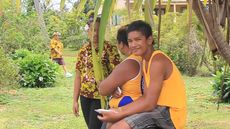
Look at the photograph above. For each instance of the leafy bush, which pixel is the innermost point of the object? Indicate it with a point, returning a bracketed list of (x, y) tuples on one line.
[(37, 71), (184, 51), (221, 85), (20, 54), (21, 31), (8, 70)]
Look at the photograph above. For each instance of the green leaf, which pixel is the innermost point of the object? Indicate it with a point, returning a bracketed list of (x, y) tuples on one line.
[(107, 6), (62, 4), (137, 5), (148, 12), (81, 6)]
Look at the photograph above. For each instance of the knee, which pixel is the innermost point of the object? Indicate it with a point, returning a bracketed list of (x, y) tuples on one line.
[(120, 125)]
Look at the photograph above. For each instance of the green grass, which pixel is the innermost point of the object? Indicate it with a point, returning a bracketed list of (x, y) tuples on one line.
[(51, 108)]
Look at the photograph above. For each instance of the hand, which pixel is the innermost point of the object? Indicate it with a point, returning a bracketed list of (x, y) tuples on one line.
[(60, 53), (110, 116), (76, 109), (117, 93)]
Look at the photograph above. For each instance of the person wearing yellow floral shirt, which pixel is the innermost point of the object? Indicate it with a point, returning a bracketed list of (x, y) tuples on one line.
[(56, 48), (85, 84)]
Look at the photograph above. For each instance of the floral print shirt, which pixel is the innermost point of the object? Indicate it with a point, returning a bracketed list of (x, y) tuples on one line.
[(55, 44), (110, 58)]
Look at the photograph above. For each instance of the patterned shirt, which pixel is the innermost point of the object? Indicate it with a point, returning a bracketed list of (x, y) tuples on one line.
[(55, 44), (110, 58)]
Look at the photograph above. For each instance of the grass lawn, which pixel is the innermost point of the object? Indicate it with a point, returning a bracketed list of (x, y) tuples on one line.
[(51, 108)]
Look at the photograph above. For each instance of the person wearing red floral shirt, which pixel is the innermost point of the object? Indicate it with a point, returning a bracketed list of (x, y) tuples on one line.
[(85, 84)]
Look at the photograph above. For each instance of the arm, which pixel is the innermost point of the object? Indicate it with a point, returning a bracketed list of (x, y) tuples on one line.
[(77, 85), (148, 101), (57, 51), (128, 69), (76, 93)]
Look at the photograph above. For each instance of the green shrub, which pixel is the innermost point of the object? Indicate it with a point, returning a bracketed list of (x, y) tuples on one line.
[(221, 85), (37, 71), (8, 70), (20, 54)]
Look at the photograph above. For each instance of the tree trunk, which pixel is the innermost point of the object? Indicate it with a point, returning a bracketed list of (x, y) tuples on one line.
[(41, 20), (212, 29)]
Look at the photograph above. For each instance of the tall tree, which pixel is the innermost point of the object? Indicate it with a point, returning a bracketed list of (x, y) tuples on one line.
[(213, 17), (41, 20)]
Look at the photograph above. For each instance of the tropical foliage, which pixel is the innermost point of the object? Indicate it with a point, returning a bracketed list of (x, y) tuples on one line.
[(9, 72), (221, 84), (35, 70)]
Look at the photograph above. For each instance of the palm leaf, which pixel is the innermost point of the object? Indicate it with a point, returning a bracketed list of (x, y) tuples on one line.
[(148, 12), (62, 4), (137, 5), (107, 6), (98, 5), (136, 10), (81, 6), (98, 71), (97, 65)]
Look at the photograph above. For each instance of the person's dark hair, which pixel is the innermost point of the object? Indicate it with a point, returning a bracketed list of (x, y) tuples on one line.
[(140, 26), (122, 35)]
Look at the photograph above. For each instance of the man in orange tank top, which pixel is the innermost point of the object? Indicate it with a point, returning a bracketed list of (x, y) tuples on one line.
[(163, 104)]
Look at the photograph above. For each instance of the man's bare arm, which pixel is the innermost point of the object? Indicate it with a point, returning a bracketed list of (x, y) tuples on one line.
[(120, 75)]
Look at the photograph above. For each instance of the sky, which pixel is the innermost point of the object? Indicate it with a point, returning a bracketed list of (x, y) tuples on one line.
[(68, 3)]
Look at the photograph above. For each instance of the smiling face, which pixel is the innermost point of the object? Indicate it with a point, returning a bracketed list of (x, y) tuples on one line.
[(139, 44)]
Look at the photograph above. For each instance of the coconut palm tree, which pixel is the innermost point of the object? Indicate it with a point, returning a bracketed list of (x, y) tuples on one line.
[(213, 18)]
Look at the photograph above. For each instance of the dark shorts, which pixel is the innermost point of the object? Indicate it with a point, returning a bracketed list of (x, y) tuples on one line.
[(157, 119), (60, 61)]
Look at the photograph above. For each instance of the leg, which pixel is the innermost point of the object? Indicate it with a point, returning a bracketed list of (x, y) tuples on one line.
[(62, 63), (64, 68), (120, 125), (159, 118), (67, 74), (94, 122), (85, 107)]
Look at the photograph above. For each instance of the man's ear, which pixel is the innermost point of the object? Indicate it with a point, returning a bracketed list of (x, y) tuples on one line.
[(150, 40)]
